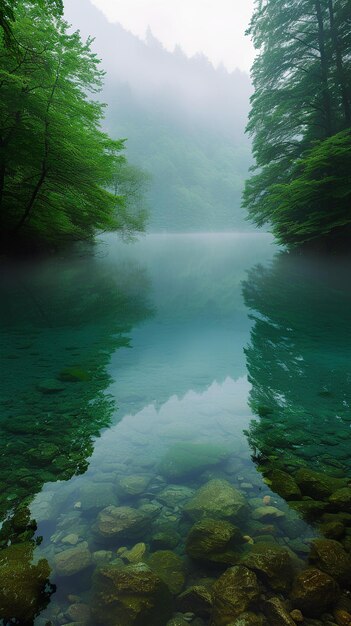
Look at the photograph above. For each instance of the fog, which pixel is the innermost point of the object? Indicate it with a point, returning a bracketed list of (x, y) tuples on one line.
[(184, 120)]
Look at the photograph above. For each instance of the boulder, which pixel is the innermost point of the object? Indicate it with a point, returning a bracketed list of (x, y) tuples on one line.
[(329, 556), (247, 619), (169, 567), (272, 564), (235, 592), (133, 485), (120, 522), (341, 499), (317, 485), (175, 495), (217, 499), (314, 592), (197, 600), (129, 596), (284, 485), (186, 459), (72, 560), (276, 613), (164, 539), (214, 540), (267, 513)]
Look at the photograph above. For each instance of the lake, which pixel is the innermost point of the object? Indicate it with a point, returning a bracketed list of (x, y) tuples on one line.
[(175, 435)]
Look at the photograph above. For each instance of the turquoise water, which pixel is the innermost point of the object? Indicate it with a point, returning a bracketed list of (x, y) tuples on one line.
[(132, 376)]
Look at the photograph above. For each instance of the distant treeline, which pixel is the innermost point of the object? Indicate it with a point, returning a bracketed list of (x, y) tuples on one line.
[(61, 177), (301, 119)]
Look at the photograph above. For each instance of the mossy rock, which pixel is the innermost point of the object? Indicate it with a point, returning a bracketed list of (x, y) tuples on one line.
[(309, 509), (277, 613), (133, 485), (186, 459), (272, 564), (217, 499), (248, 619), (197, 599), (235, 592), (129, 596), (314, 592), (169, 567), (72, 560), (341, 499), (213, 540), (284, 485), (24, 588), (121, 522), (330, 557), (317, 485)]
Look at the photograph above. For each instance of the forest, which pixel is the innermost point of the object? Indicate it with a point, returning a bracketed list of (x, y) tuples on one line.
[(300, 120)]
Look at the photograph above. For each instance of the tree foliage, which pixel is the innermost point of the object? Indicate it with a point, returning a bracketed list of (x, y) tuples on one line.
[(302, 99), (56, 165)]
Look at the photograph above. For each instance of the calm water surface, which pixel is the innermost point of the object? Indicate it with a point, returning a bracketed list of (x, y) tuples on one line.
[(134, 375)]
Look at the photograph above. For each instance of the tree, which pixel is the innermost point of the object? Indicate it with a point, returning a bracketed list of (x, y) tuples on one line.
[(130, 183), (302, 95), (56, 164)]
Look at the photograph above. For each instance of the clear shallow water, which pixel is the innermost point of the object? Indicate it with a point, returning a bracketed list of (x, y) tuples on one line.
[(112, 361)]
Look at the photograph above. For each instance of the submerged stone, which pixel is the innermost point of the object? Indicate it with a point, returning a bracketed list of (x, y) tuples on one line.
[(214, 540), (277, 613), (133, 485), (72, 560), (184, 459), (317, 485), (197, 600), (135, 554), (330, 557), (165, 539), (341, 499), (129, 596), (169, 567), (271, 563), (97, 496), (314, 592), (120, 522), (247, 619), (235, 592), (217, 499), (267, 513), (175, 495), (284, 485)]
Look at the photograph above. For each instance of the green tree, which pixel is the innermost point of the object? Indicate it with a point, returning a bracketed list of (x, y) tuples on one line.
[(56, 165), (302, 98)]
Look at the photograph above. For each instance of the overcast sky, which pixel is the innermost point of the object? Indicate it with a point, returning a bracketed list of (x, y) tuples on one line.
[(214, 27)]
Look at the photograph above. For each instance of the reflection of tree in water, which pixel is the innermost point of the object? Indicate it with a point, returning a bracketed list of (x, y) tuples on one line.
[(61, 322), (299, 360)]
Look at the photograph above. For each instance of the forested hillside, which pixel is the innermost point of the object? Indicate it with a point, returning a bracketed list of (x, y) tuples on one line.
[(301, 119), (184, 121)]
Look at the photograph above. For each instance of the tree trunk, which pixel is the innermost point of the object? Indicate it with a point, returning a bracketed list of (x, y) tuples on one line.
[(340, 74), (324, 71)]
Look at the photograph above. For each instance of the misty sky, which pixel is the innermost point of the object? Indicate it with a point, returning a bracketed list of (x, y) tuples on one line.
[(214, 27)]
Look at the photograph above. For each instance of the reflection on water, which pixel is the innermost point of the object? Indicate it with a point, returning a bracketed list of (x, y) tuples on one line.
[(129, 464)]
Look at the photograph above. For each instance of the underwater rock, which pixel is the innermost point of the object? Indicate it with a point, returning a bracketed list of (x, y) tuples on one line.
[(79, 613), (135, 554), (343, 618), (72, 560), (130, 595), (184, 459), (329, 556), (314, 592), (169, 567), (24, 588), (247, 619), (120, 522), (317, 485), (308, 508), (333, 530), (214, 540), (297, 616), (174, 495), (217, 499), (271, 563), (197, 600), (50, 386), (234, 592), (267, 513), (284, 485), (164, 539), (341, 499), (100, 557), (133, 485), (73, 375), (276, 613), (97, 496)]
